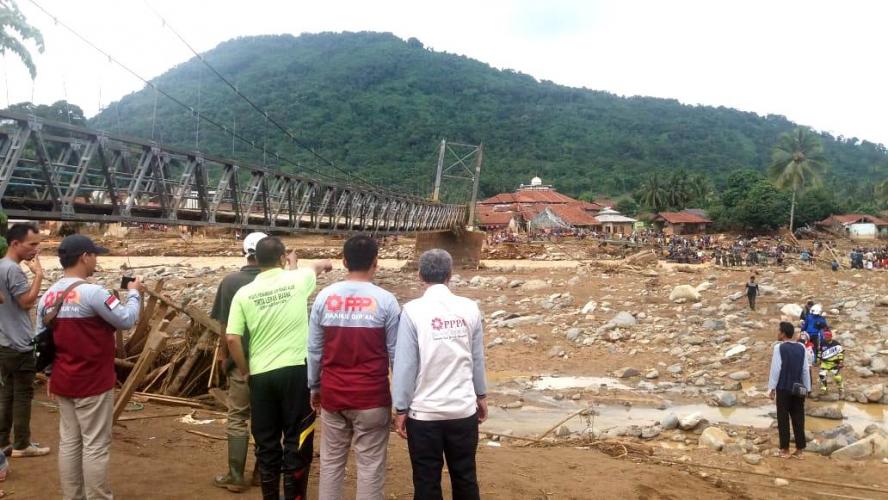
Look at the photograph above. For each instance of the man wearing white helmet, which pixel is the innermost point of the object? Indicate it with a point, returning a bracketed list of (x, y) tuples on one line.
[(238, 391), (814, 324)]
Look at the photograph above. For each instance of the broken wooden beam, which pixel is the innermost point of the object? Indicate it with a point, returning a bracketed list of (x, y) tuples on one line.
[(156, 340)]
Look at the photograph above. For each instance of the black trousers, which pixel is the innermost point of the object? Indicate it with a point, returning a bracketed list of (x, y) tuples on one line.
[(283, 427), (751, 301), (17, 371), (790, 408), (432, 441)]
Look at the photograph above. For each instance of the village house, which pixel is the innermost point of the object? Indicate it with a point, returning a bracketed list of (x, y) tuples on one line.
[(856, 226), (678, 223)]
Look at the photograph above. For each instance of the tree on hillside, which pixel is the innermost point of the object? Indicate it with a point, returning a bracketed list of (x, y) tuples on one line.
[(700, 188), (678, 191), (797, 163), (60, 111), (882, 193), (14, 30), (653, 194)]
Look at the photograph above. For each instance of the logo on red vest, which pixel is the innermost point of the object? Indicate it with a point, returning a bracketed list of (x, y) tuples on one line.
[(338, 303)]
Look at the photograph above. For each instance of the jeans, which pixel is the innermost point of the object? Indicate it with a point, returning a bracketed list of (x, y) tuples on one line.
[(430, 442), (85, 446), (368, 432), (790, 408), (283, 428), (17, 371)]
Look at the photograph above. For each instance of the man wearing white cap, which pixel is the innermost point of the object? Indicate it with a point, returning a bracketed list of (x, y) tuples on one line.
[(238, 391)]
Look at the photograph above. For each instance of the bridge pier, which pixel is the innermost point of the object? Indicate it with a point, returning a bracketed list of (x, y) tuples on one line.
[(464, 246)]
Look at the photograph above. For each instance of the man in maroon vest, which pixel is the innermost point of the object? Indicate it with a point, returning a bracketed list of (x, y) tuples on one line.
[(83, 376)]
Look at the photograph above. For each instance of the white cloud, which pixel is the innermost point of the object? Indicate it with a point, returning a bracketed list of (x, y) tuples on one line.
[(819, 63)]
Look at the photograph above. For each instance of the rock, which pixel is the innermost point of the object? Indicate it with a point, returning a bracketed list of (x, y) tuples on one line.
[(626, 373), (675, 369), (735, 350), (740, 375), (690, 422), (791, 310), (732, 386), (828, 412), (878, 365), (563, 431), (714, 438), (652, 374), (686, 292), (874, 445), (535, 285), (650, 432), (669, 422), (714, 324), (693, 340), (871, 429), (706, 285), (863, 372), (752, 458), (623, 320), (767, 289), (842, 430), (476, 280), (573, 334), (735, 296), (495, 342), (590, 307), (615, 336), (874, 393), (780, 482), (556, 352), (497, 314), (827, 446), (515, 283), (882, 301), (724, 399)]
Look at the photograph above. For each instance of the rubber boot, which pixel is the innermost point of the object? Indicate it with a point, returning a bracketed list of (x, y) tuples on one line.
[(271, 486), (237, 460), (296, 485)]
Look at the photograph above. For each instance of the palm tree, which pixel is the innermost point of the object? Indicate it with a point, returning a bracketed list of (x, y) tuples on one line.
[(797, 163), (700, 188), (12, 20), (653, 194), (677, 190)]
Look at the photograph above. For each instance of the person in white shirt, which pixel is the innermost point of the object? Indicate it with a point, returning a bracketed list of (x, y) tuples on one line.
[(438, 382)]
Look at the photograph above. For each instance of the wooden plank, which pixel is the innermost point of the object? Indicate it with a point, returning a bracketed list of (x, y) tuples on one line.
[(144, 324), (183, 372), (199, 317), (156, 340), (137, 343)]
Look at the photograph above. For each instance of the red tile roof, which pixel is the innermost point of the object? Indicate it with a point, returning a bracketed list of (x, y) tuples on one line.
[(529, 196), (575, 215), (851, 219), (682, 218)]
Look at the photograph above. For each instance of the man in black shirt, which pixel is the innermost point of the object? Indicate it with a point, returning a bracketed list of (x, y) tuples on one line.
[(752, 290), (238, 391)]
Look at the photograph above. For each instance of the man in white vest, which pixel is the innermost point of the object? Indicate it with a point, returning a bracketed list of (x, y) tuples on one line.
[(438, 382)]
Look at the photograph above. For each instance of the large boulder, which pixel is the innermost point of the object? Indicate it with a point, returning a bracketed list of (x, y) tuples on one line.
[(724, 399), (690, 422), (872, 446), (626, 373), (714, 438), (686, 292), (874, 393), (739, 375), (827, 412), (878, 365), (735, 350), (669, 422), (535, 285), (622, 320), (791, 310)]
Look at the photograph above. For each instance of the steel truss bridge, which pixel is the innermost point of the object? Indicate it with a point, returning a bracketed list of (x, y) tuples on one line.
[(55, 171)]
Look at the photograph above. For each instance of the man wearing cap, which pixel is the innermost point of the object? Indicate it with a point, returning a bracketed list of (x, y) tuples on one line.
[(238, 390), (83, 376), (17, 367)]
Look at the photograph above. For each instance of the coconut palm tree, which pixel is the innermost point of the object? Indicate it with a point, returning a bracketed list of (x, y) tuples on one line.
[(797, 163), (14, 29), (677, 190), (700, 188), (653, 193)]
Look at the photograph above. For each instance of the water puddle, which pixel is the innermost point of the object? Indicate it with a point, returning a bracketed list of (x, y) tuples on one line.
[(533, 420), (562, 383)]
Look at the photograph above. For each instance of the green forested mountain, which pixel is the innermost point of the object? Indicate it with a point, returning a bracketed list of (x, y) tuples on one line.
[(378, 106)]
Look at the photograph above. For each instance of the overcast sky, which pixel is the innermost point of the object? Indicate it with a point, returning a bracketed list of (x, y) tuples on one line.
[(822, 64)]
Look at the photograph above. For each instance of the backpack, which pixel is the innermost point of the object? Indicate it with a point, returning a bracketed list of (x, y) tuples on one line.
[(44, 343)]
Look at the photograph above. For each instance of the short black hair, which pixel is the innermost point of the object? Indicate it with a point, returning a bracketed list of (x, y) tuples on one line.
[(269, 251), (69, 261), (752, 278), (787, 329), (360, 251), (19, 232), (810, 303)]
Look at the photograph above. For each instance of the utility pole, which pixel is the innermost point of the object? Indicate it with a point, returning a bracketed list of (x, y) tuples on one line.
[(437, 192), (477, 178)]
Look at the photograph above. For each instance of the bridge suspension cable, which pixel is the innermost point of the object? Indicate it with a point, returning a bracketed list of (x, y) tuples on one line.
[(257, 108), (172, 98)]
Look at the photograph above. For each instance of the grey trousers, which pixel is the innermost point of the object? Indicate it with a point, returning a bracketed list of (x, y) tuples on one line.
[(368, 432), (85, 446), (238, 405)]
